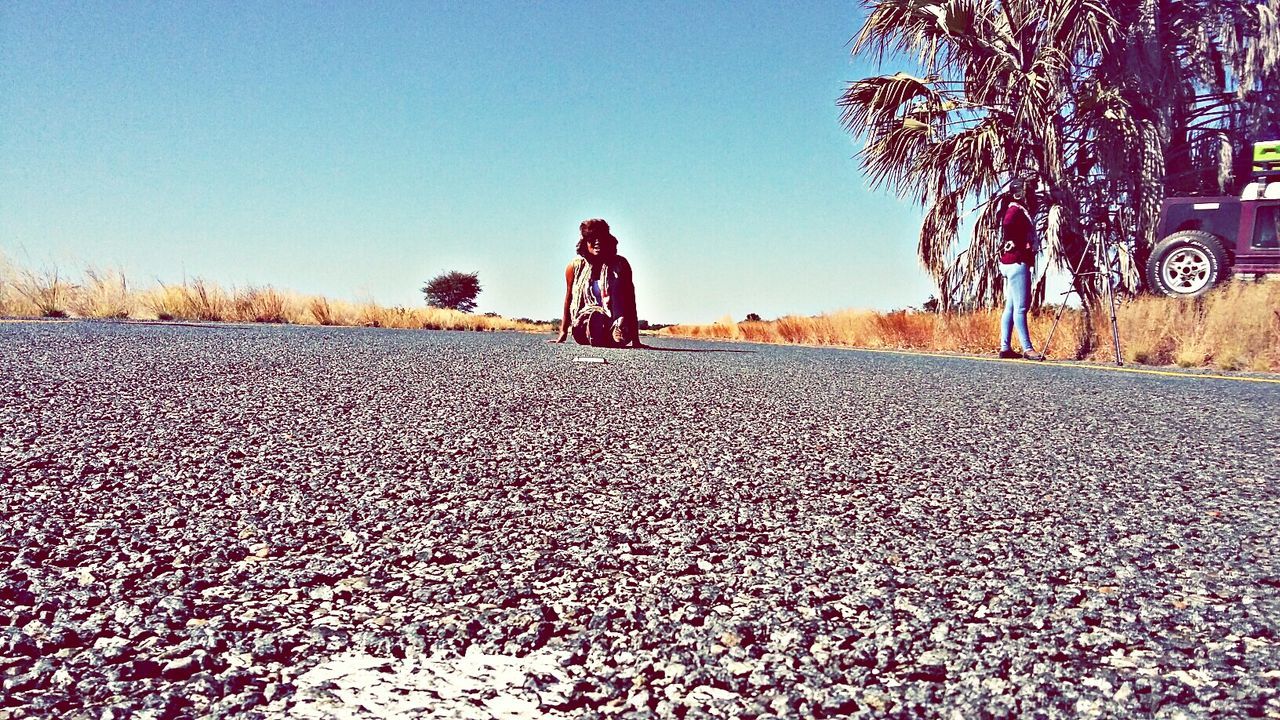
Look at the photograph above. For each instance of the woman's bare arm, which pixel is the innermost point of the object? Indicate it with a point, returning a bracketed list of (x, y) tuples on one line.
[(629, 302), (568, 298)]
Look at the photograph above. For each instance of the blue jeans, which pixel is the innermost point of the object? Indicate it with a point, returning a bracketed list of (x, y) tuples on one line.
[(1017, 296)]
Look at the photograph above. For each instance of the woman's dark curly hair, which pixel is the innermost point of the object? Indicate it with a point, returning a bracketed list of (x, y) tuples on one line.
[(596, 229), (1021, 188)]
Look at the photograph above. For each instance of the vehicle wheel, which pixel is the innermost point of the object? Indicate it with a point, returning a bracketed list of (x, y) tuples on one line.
[(1186, 264)]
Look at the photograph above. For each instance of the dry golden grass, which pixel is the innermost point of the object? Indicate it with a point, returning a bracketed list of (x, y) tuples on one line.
[(208, 302), (322, 312), (166, 302), (103, 294), (108, 295), (13, 302), (40, 294), (431, 318), (1234, 327), (268, 305), (195, 301)]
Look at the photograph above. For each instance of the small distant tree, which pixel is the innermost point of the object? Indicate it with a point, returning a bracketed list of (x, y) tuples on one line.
[(752, 317), (455, 290)]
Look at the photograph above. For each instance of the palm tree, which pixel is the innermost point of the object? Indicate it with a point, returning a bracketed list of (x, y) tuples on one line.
[(988, 106), (1096, 101), (1197, 83)]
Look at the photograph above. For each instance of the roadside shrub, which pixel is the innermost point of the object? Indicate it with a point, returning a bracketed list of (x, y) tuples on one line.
[(103, 294), (261, 305), (170, 302), (13, 303), (208, 301), (46, 290), (321, 311)]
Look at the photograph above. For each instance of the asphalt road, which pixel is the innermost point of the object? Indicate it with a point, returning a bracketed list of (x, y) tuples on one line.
[(197, 521)]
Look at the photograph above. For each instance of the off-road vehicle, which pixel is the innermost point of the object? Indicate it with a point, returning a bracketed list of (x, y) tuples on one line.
[(1205, 239)]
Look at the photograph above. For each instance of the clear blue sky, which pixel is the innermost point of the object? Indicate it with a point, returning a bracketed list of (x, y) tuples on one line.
[(356, 150)]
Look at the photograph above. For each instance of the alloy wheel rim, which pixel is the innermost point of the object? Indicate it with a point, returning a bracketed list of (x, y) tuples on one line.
[(1187, 270)]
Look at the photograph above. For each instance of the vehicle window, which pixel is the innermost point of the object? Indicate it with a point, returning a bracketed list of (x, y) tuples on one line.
[(1266, 232), (1213, 215)]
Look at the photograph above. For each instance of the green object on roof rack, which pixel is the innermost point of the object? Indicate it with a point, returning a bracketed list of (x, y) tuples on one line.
[(1266, 156)]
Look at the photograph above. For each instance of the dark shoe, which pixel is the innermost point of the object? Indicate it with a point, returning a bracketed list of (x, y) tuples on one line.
[(1009, 355), (1032, 355)]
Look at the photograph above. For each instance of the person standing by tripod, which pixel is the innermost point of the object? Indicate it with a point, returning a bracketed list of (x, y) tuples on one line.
[(1018, 248)]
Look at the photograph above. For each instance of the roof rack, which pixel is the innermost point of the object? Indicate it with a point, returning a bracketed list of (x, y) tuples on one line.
[(1261, 190)]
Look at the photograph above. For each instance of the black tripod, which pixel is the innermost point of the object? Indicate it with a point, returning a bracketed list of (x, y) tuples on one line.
[(1108, 289)]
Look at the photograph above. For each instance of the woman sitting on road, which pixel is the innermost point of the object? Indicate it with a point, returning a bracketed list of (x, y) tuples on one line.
[(1017, 257), (599, 295)]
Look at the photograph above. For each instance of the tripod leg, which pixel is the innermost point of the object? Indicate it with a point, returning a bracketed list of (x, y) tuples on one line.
[(1062, 308), (1111, 300)]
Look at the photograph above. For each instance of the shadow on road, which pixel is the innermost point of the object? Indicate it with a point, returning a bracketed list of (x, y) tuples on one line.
[(695, 350)]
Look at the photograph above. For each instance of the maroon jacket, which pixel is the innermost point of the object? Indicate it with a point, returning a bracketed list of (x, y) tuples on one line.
[(1016, 246)]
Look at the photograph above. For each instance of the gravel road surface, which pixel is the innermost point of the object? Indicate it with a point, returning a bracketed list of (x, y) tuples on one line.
[(310, 522)]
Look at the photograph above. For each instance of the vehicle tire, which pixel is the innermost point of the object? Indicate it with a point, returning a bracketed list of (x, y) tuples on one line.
[(1186, 264)]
